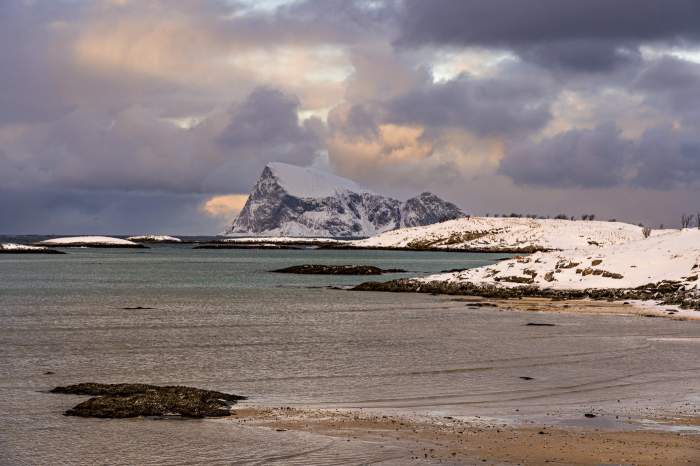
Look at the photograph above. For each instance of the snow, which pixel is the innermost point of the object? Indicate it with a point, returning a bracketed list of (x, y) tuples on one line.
[(87, 240), (311, 182), (20, 247), (666, 255), (491, 233), (155, 238)]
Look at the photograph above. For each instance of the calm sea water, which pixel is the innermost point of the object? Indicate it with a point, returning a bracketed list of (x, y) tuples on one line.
[(220, 320)]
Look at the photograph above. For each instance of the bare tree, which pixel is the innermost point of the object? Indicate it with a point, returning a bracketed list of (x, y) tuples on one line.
[(685, 220), (646, 231)]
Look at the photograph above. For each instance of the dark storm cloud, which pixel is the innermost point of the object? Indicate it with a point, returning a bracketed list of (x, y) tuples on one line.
[(590, 35), (267, 116), (667, 159), (30, 86), (661, 159), (66, 211), (506, 104), (588, 158), (673, 85)]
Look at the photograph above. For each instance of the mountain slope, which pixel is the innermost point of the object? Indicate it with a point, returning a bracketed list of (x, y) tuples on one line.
[(294, 201)]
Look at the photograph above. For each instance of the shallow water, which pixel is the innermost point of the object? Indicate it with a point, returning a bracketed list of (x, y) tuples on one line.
[(221, 321)]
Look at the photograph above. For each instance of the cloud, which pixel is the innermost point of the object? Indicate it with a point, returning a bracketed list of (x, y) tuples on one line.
[(576, 158), (508, 104), (226, 206), (662, 158), (595, 35)]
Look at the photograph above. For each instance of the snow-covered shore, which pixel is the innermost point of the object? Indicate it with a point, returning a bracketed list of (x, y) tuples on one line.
[(663, 268), (504, 235), (90, 242), (667, 256), (14, 248), (154, 239)]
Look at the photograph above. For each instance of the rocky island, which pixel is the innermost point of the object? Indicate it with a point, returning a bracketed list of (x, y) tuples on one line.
[(318, 269), (132, 400)]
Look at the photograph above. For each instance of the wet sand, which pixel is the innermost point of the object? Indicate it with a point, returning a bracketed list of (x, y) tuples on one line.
[(585, 306), (451, 440)]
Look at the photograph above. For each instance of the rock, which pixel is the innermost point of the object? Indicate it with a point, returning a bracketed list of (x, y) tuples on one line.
[(132, 400), (613, 275), (597, 262), (515, 279), (319, 269), (525, 377), (537, 324), (549, 276), (590, 415)]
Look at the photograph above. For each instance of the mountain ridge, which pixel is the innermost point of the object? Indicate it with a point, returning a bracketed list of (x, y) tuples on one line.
[(288, 200)]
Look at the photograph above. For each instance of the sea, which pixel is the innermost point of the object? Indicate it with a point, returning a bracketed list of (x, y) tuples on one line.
[(221, 320)]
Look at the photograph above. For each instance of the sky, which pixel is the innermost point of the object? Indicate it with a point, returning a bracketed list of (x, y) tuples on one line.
[(157, 116)]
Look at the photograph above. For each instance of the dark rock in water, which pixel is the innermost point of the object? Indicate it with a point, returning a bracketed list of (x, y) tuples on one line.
[(318, 269), (537, 324), (525, 377), (453, 270), (133, 400), (590, 415), (30, 251), (49, 373), (137, 308)]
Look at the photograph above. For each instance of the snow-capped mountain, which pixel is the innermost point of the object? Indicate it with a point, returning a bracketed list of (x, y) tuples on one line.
[(302, 201)]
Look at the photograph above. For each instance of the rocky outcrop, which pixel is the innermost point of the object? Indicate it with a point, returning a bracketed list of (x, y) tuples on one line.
[(665, 292), (317, 269), (132, 400), (296, 201), (427, 209)]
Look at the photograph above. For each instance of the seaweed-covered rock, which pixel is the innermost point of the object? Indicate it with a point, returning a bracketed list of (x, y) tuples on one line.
[(318, 269), (132, 400), (666, 292)]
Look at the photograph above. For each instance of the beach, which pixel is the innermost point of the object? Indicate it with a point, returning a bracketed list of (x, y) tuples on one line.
[(219, 320)]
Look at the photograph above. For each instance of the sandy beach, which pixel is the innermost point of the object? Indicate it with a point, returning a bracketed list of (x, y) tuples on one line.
[(454, 440), (584, 306)]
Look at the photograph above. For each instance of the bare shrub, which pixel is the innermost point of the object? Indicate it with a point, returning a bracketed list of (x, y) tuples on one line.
[(646, 231)]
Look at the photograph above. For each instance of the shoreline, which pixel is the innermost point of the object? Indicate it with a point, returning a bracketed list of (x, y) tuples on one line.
[(461, 440), (665, 293)]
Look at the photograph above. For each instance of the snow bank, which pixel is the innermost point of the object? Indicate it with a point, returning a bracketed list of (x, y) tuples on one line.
[(311, 182), (90, 241), (155, 239), (14, 247), (665, 256), (503, 234)]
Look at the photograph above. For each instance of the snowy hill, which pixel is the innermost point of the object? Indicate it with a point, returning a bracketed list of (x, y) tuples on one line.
[(666, 256), (306, 202), (506, 234)]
